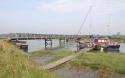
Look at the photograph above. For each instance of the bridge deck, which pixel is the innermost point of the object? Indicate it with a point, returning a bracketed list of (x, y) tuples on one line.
[(36, 36)]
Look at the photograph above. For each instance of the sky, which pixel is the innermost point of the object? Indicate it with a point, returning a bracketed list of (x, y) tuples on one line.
[(62, 16)]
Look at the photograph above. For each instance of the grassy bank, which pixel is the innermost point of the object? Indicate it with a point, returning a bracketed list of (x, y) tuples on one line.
[(40, 53), (59, 54), (100, 61), (55, 54), (16, 64)]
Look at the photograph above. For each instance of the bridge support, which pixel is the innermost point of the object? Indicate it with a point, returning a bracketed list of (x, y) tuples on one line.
[(61, 43), (67, 40), (78, 45), (48, 42)]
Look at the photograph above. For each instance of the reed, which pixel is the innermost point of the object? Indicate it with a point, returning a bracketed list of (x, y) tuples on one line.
[(16, 64)]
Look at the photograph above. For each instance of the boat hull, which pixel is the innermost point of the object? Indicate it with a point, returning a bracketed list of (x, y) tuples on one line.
[(113, 48), (107, 48), (96, 47)]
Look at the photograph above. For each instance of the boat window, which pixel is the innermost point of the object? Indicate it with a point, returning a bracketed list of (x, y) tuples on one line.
[(103, 40), (99, 40), (95, 40)]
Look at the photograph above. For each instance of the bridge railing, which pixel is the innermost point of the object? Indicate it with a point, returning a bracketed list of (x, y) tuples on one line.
[(37, 36)]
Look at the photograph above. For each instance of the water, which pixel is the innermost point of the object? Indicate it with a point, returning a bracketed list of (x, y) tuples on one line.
[(122, 47), (84, 73), (36, 45), (71, 46), (42, 60), (72, 73)]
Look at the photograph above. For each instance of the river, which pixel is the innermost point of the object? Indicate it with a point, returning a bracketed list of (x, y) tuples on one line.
[(36, 45)]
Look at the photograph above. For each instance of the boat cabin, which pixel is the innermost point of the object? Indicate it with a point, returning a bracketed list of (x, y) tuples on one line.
[(101, 41)]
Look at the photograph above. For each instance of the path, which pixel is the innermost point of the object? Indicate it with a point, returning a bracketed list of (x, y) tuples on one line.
[(63, 60)]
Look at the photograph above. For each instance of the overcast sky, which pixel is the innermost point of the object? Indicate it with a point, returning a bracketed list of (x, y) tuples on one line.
[(62, 16)]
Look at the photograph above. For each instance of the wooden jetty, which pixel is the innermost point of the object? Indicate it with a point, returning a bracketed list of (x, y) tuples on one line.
[(63, 60)]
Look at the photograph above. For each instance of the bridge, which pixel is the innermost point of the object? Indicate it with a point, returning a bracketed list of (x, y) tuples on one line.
[(48, 38), (28, 36)]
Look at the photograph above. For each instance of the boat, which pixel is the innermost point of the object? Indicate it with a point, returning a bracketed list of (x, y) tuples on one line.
[(84, 43), (105, 44)]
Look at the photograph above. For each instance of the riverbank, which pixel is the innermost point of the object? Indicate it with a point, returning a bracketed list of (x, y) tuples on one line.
[(15, 63), (103, 63), (113, 62), (47, 56)]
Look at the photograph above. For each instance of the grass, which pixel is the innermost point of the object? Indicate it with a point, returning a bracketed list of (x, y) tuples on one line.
[(58, 54), (61, 53), (16, 64), (40, 53), (100, 61)]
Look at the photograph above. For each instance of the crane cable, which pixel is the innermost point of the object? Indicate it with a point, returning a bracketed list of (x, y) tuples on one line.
[(84, 20)]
